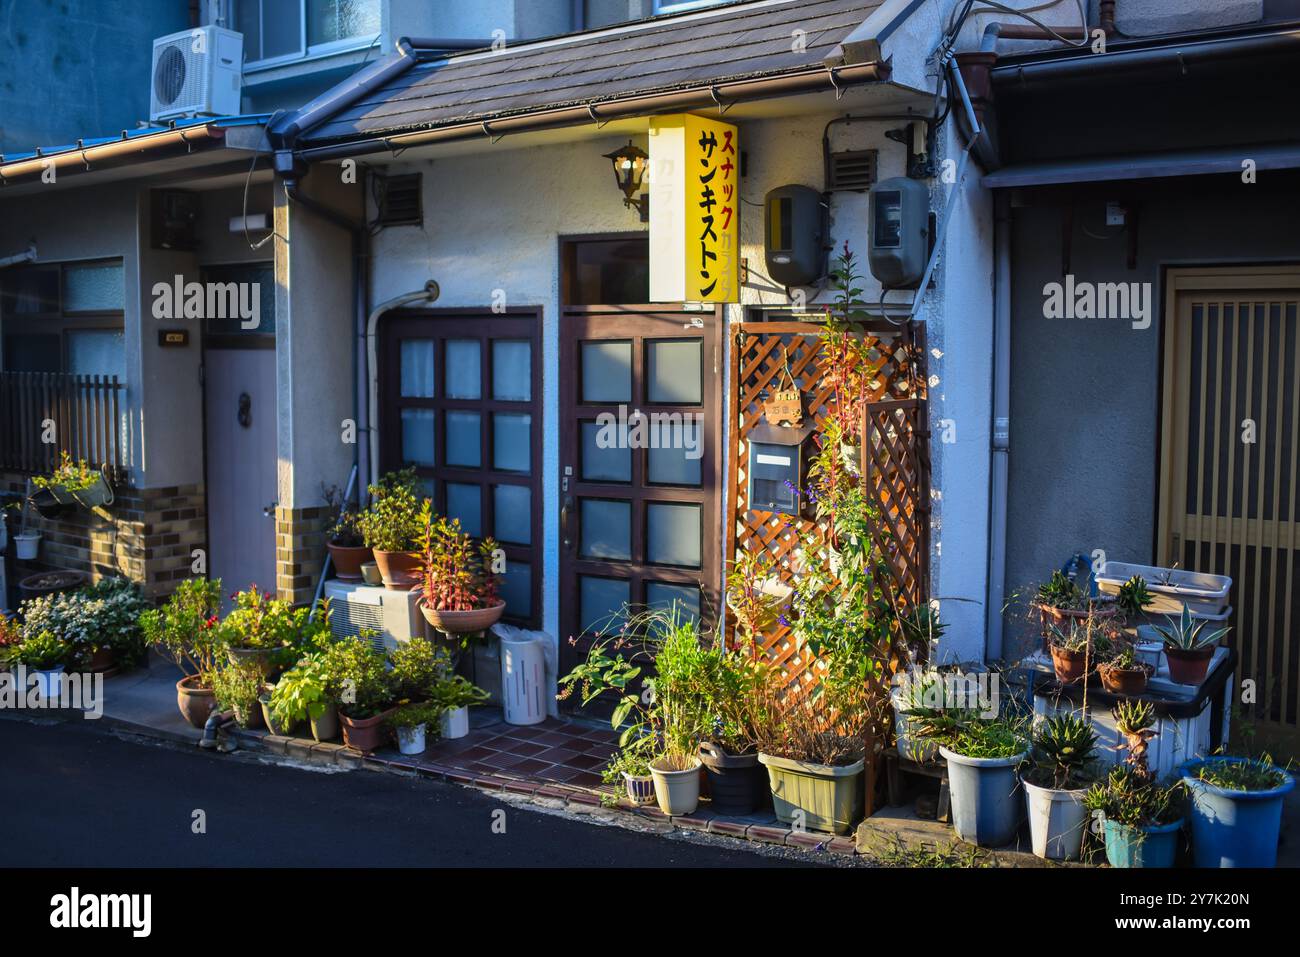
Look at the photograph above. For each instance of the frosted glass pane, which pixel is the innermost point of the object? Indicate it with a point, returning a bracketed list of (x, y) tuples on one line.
[(99, 287), (464, 441), (673, 371), (679, 464), (512, 370), (517, 589), (512, 441), (417, 368), (673, 534), (462, 369), (465, 502), (331, 20), (601, 603), (513, 521), (98, 352), (417, 436), (606, 529), (682, 599), (605, 464), (606, 372)]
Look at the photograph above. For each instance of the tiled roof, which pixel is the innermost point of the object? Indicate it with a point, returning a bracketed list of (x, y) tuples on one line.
[(735, 41)]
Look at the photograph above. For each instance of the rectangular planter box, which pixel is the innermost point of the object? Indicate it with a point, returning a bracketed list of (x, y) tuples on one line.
[(1171, 588), (818, 796)]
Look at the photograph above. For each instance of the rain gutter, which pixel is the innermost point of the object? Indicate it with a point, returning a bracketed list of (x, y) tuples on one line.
[(117, 153)]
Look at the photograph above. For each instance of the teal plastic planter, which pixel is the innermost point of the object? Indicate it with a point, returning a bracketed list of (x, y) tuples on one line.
[(1233, 828), (1141, 846)]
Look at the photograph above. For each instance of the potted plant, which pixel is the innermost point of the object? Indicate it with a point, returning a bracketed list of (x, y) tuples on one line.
[(185, 627), (914, 692), (1189, 647), (357, 680), (1140, 818), (45, 655), (630, 767), (453, 697), (27, 545), (74, 482), (393, 528), (983, 754), (344, 541), (459, 584), (301, 694), (100, 621), (1122, 672), (410, 722), (1059, 600), (1236, 809), (1064, 755), (50, 583), (1071, 650), (262, 630), (236, 686), (1133, 596)]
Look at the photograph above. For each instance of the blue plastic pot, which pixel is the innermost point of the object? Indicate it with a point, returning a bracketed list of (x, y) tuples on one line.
[(1153, 846), (986, 809), (1233, 828)]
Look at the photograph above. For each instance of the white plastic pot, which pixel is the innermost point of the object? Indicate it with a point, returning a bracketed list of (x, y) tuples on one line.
[(28, 545), (1058, 822), (678, 792), (411, 740), (49, 685), (455, 723), (922, 750)]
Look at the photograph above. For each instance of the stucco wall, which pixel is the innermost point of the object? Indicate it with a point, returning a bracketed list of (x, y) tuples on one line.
[(1085, 405)]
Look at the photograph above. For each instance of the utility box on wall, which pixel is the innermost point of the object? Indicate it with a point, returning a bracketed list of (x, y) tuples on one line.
[(776, 467), (794, 229), (900, 232)]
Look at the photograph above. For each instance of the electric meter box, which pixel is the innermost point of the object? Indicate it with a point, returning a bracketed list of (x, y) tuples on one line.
[(900, 232), (794, 230)]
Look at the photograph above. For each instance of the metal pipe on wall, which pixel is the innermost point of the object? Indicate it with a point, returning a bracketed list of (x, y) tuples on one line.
[(1000, 445)]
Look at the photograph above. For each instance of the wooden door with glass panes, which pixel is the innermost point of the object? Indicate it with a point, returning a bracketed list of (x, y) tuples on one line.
[(639, 524), (460, 398)]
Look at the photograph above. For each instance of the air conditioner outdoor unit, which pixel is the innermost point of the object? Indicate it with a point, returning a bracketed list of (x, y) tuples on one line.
[(393, 614), (196, 72)]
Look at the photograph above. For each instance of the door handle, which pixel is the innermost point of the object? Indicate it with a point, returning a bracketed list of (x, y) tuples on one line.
[(245, 409), (564, 523)]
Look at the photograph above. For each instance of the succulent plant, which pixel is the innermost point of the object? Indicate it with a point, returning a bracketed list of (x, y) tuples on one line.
[(1064, 748), (1187, 634), (1133, 596), (1060, 591), (1135, 720)]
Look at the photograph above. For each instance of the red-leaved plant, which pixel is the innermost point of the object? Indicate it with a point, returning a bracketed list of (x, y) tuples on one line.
[(459, 573)]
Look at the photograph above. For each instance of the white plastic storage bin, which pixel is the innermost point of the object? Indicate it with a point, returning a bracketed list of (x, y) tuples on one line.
[(523, 680), (1171, 588)]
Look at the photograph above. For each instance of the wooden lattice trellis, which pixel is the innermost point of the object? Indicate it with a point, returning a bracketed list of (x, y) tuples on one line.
[(895, 459)]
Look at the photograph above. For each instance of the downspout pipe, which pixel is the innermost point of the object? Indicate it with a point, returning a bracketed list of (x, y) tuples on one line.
[(1000, 447), (428, 295)]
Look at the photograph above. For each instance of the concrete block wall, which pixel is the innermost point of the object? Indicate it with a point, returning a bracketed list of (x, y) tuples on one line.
[(299, 551)]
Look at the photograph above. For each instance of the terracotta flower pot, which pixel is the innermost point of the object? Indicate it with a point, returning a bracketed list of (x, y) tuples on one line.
[(196, 704), (1125, 681), (1061, 618), (463, 622), (348, 561), (1188, 667), (399, 570), (1070, 665), (365, 734)]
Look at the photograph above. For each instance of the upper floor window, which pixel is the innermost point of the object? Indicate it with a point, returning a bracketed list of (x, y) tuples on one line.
[(64, 318), (677, 6), (282, 30)]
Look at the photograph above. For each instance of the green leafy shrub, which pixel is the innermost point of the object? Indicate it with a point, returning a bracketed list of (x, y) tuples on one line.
[(185, 627), (42, 652), (393, 521), (357, 678), (236, 686)]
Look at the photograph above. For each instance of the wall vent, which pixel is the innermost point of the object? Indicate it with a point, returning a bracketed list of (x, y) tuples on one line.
[(398, 200), (851, 170)]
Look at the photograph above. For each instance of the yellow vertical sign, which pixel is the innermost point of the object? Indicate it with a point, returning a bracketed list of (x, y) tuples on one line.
[(694, 210)]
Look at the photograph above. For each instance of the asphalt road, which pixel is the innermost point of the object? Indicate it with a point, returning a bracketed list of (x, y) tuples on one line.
[(74, 795)]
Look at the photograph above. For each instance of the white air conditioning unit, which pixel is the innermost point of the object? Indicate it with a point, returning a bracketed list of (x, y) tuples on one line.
[(195, 73), (393, 614)]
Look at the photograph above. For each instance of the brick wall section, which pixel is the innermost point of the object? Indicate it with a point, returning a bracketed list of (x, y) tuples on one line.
[(299, 551), (149, 536)]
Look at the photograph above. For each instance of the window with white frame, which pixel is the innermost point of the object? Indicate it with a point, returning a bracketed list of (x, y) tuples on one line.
[(282, 30)]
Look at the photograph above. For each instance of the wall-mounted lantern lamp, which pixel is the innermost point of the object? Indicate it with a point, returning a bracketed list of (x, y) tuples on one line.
[(630, 166)]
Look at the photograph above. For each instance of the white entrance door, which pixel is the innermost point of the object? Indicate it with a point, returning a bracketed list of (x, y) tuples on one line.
[(241, 467)]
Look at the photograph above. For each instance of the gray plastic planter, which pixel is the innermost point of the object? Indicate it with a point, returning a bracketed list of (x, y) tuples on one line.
[(1057, 822), (986, 809)]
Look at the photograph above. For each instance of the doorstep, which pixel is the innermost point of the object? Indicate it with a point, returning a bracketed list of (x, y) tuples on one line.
[(892, 827)]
